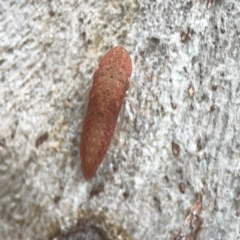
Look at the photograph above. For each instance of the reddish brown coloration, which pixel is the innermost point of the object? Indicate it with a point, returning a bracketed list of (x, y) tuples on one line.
[(110, 83), (192, 222)]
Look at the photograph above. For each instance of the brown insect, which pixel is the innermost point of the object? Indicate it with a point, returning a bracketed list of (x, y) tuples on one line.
[(110, 83)]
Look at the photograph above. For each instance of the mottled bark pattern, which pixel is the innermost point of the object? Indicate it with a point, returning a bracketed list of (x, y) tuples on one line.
[(110, 83)]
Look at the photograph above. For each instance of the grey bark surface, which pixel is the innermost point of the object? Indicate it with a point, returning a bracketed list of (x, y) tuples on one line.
[(186, 77)]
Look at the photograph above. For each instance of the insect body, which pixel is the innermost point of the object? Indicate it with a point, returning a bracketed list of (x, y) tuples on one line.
[(110, 83)]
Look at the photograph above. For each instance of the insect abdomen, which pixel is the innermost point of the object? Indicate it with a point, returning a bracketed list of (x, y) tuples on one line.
[(96, 137)]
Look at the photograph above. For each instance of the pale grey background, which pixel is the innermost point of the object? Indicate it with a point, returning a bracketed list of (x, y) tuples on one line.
[(49, 51)]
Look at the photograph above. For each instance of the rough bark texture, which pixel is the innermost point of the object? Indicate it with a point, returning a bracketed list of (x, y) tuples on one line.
[(186, 75)]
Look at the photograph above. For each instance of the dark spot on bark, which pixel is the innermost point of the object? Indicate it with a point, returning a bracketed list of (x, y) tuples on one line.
[(41, 139), (175, 148), (51, 13), (56, 199), (212, 108), (141, 53), (222, 74), (186, 36), (155, 40), (199, 145), (96, 189), (85, 229), (174, 105), (214, 87), (126, 194), (182, 187)]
